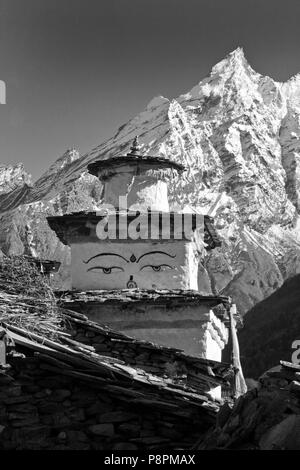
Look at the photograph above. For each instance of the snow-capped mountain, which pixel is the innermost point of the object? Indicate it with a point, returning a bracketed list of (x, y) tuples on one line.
[(13, 177), (237, 132)]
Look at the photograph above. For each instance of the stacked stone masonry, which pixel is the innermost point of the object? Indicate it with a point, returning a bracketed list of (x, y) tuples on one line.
[(44, 410), (63, 394), (265, 418)]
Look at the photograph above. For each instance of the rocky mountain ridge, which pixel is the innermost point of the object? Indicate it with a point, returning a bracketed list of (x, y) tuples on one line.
[(13, 177), (237, 132)]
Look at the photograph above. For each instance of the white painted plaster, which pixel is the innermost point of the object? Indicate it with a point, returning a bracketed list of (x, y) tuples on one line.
[(192, 328), (144, 190), (156, 270)]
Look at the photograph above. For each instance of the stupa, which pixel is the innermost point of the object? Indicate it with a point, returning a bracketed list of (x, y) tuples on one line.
[(135, 264)]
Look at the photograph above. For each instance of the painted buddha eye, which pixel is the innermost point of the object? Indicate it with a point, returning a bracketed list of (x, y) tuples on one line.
[(156, 268), (106, 269)]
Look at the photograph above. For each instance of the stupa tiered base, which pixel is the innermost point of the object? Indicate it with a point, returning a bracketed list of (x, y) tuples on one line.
[(186, 320)]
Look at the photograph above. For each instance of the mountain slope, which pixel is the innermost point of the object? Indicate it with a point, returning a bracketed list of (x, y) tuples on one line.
[(15, 186), (237, 133), (270, 328)]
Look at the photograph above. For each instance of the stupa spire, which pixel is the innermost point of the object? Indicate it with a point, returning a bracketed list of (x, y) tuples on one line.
[(135, 147)]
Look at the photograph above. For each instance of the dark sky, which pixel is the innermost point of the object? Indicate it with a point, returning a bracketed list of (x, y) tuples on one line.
[(75, 70)]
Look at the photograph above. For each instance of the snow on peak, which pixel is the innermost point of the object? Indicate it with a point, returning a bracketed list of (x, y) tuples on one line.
[(235, 61), (158, 101), (231, 76), (291, 90), (70, 155), (12, 177)]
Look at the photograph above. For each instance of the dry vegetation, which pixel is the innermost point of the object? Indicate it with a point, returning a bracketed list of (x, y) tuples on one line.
[(26, 298)]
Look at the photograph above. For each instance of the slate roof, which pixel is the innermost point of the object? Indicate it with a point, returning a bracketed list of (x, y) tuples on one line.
[(75, 359), (46, 265), (137, 160), (143, 296), (80, 223)]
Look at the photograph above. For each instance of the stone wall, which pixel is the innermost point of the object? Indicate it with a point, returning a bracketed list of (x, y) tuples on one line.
[(265, 418), (154, 359), (42, 409)]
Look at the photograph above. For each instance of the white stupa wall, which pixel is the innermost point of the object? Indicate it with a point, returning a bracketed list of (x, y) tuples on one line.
[(143, 190), (193, 328), (145, 265)]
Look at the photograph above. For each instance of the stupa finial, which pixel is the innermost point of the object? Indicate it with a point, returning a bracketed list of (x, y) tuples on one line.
[(135, 148)]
